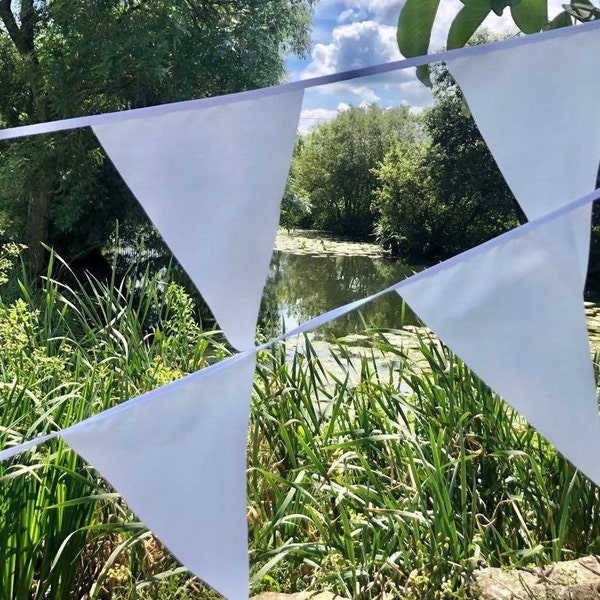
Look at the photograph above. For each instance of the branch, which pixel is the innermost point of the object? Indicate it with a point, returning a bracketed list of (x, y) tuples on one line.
[(10, 23), (28, 18)]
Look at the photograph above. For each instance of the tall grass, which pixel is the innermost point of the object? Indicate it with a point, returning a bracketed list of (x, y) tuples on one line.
[(70, 351), (406, 483), (372, 482)]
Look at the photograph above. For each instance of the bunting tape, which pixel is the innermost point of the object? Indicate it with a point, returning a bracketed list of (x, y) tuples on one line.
[(316, 322), (380, 69)]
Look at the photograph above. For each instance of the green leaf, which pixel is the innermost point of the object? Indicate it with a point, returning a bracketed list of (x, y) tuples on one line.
[(562, 19), (414, 26), (466, 22), (498, 6), (477, 3), (424, 75), (465, 110), (582, 10), (530, 16)]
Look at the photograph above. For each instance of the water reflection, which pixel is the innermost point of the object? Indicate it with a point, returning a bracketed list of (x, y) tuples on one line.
[(300, 287)]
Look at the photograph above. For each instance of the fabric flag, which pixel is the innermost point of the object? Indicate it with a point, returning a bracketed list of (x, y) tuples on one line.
[(536, 107), (513, 311), (211, 180), (179, 461)]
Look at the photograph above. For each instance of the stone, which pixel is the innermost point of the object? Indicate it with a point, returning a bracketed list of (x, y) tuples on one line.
[(298, 596), (568, 580)]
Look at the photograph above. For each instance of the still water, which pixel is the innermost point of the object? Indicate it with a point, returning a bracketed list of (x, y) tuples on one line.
[(303, 286)]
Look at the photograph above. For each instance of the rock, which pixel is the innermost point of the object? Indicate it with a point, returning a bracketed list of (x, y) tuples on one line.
[(298, 596), (569, 580)]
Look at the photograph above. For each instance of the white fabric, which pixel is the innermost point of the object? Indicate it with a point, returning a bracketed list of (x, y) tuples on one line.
[(179, 461), (211, 181), (536, 106), (513, 311)]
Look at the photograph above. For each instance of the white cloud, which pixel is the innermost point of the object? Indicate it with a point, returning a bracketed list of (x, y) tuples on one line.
[(382, 11), (353, 46), (313, 117), (346, 16), (361, 44)]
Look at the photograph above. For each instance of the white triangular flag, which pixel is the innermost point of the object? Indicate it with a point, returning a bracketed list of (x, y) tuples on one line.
[(536, 107), (512, 309), (178, 458), (211, 180)]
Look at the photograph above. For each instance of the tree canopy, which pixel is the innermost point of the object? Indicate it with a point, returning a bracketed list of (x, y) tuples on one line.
[(336, 162), (446, 195), (64, 58)]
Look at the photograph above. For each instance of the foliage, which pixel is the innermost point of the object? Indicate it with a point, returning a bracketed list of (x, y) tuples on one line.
[(436, 199), (530, 16), (335, 165), (404, 483), (374, 481), (70, 352), (64, 58), (408, 212), (295, 205)]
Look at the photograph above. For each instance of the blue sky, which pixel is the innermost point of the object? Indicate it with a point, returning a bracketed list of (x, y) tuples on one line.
[(348, 34)]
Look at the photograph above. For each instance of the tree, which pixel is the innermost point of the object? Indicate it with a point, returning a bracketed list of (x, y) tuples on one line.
[(335, 166), (63, 58), (437, 199), (295, 204), (530, 16), (405, 203)]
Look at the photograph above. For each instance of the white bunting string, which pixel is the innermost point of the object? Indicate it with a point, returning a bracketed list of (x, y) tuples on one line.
[(327, 317), (380, 69)]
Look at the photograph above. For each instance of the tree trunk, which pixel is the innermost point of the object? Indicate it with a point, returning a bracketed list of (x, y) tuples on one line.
[(22, 34), (36, 228)]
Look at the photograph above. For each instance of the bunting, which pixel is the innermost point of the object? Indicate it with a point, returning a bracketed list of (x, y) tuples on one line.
[(211, 173), (513, 311), (178, 458), (536, 108), (211, 180)]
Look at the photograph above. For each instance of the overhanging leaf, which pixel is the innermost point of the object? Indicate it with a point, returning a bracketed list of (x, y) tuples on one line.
[(424, 75), (530, 16), (498, 6), (582, 10), (414, 26), (562, 19), (465, 24)]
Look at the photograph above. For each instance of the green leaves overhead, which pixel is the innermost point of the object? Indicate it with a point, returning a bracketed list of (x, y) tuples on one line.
[(498, 6), (466, 22), (414, 31), (562, 19), (414, 26), (582, 10), (530, 16)]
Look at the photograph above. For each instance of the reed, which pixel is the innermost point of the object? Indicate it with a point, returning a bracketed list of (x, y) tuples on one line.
[(370, 482)]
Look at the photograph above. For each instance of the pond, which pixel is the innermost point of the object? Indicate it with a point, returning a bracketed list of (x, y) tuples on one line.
[(303, 285)]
